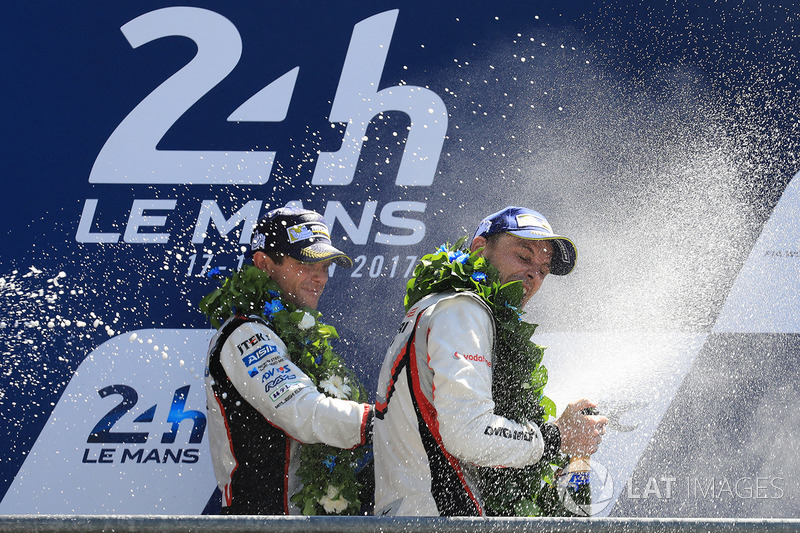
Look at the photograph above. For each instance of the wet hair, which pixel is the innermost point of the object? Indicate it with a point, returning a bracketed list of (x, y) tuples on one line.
[(492, 239), (277, 257)]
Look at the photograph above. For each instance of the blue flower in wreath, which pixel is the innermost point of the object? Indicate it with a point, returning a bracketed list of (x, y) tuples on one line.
[(478, 276), (270, 308), (460, 257), (274, 294), (213, 273), (329, 462)]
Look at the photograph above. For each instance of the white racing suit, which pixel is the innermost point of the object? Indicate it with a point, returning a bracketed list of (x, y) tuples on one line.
[(434, 414), (261, 407)]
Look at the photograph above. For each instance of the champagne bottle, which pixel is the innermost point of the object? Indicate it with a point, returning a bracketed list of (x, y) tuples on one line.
[(578, 482)]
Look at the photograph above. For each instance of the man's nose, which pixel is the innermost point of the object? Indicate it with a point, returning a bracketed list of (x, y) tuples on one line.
[(534, 270), (320, 273)]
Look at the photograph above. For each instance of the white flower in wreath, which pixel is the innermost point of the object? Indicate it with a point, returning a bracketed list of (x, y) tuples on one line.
[(335, 386), (333, 502), (307, 321)]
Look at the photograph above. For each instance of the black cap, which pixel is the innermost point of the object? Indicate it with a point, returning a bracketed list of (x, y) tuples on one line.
[(531, 225), (299, 233)]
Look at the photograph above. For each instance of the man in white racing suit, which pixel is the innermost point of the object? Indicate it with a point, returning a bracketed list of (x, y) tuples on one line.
[(261, 406), (434, 409)]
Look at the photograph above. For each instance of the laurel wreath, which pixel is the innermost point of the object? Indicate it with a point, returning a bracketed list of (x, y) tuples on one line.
[(516, 368), (328, 474)]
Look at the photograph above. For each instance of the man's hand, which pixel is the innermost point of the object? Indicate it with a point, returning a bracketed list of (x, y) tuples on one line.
[(580, 434)]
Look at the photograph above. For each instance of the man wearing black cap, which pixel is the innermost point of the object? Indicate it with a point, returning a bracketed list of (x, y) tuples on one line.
[(262, 401), (435, 410)]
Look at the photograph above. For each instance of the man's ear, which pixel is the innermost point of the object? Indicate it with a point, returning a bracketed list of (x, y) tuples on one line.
[(477, 242), (263, 262)]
